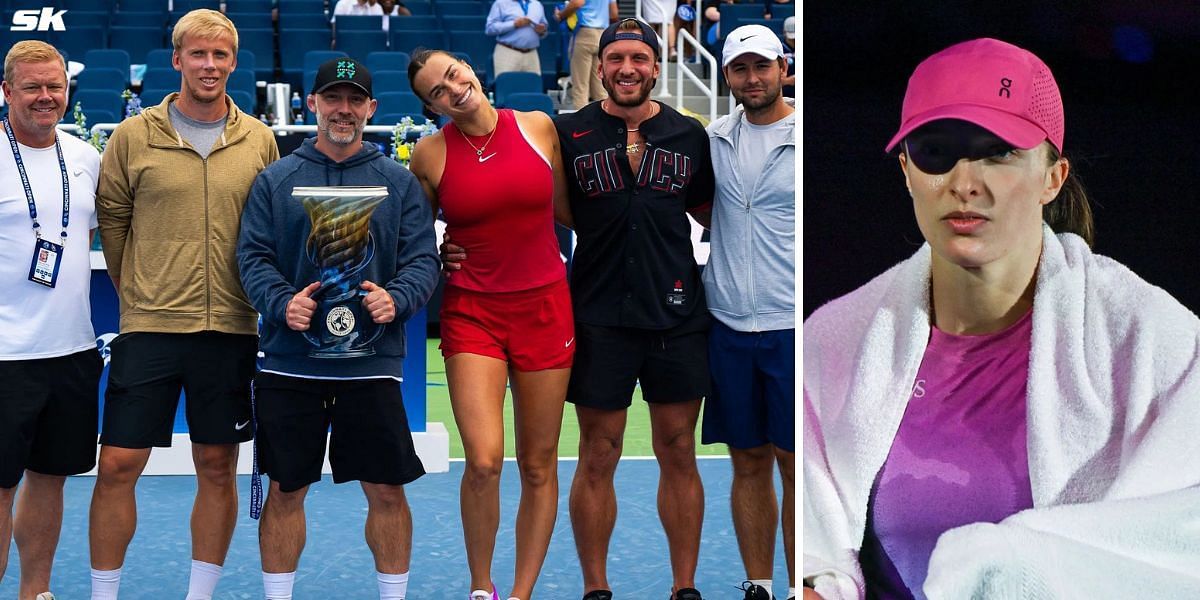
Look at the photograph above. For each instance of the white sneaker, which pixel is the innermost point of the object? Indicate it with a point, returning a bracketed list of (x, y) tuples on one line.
[(44, 596)]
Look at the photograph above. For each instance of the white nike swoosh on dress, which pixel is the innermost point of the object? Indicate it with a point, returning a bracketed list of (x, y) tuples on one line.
[(484, 158), (241, 426), (569, 342)]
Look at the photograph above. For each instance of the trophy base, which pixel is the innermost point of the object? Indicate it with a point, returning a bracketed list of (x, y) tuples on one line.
[(339, 353)]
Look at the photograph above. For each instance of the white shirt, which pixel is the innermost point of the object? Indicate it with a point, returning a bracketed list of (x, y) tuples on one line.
[(37, 321), (658, 11), (352, 7), (753, 142)]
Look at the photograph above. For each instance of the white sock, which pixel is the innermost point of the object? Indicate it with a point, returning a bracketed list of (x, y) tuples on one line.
[(392, 586), (764, 584), (278, 586), (105, 584), (791, 592), (481, 595), (203, 580)]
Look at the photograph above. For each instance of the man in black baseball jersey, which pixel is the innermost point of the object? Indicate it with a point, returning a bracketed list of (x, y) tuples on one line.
[(634, 169)]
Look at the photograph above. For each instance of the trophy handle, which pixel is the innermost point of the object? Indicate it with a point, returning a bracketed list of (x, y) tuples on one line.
[(379, 327)]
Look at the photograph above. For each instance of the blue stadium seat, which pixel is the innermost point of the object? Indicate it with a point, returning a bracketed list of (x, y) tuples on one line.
[(732, 15), (247, 60), (292, 48), (99, 106), (101, 78), (142, 5), (76, 41), (398, 102), (407, 41), (290, 21), (313, 59), (471, 23), (359, 23), (190, 5), (513, 83), (243, 100), (419, 7), (549, 53), (478, 48), (525, 101), (361, 43), (452, 7), (154, 96), (159, 77), (137, 41), (414, 23), (242, 81), (100, 58), (139, 19), (260, 43), (387, 61), (298, 7), (106, 6), (159, 58), (383, 81), (251, 20), (75, 19), (248, 6)]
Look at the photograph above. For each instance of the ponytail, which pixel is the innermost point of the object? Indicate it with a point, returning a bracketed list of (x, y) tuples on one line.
[(1070, 212)]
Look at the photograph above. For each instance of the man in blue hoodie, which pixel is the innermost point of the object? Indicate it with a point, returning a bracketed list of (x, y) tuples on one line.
[(299, 396), (750, 283)]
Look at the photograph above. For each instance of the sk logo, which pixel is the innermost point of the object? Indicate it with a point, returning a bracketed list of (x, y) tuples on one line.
[(345, 69)]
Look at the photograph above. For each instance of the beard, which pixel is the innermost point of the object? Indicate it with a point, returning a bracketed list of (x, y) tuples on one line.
[(769, 96), (337, 138), (637, 100)]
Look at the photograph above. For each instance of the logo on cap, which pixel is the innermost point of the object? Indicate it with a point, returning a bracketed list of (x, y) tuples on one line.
[(345, 69)]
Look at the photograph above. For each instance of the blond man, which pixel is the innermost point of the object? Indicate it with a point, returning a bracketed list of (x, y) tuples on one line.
[(173, 181)]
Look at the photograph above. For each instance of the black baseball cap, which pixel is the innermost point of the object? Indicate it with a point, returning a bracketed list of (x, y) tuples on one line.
[(644, 34), (342, 70)]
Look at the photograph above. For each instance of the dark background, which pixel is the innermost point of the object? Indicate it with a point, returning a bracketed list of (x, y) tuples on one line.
[(1129, 73)]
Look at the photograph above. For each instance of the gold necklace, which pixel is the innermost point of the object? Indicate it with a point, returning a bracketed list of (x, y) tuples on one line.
[(479, 150)]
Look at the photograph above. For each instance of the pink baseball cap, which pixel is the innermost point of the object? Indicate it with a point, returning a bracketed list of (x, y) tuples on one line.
[(993, 84)]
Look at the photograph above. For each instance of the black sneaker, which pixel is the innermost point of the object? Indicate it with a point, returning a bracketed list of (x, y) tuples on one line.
[(598, 595), (755, 592), (687, 594)]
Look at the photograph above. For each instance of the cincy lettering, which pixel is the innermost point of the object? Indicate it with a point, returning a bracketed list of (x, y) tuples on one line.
[(661, 170)]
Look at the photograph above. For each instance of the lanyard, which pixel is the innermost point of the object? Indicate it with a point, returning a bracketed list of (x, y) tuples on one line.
[(66, 192), (524, 6)]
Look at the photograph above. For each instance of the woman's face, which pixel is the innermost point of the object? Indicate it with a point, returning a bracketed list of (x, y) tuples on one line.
[(978, 201)]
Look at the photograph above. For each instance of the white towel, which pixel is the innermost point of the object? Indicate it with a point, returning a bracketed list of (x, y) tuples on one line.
[(1114, 436)]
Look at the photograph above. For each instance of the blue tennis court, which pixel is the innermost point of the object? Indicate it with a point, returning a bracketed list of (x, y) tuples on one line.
[(337, 564)]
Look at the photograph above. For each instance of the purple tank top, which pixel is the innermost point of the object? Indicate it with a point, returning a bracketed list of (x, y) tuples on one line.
[(959, 456)]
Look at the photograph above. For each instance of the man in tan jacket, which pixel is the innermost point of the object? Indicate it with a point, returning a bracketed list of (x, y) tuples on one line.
[(173, 181)]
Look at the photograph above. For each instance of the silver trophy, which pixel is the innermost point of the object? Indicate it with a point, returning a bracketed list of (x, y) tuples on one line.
[(341, 245)]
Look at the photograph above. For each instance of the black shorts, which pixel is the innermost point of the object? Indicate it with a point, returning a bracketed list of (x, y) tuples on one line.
[(147, 371), (370, 440), (671, 365), (48, 415)]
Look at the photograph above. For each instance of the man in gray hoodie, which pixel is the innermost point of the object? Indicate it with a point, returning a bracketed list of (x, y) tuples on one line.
[(750, 283)]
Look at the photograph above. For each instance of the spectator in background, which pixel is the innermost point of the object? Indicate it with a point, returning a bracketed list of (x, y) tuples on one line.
[(593, 19), (767, 4), (518, 26), (658, 12), (789, 52), (711, 27), (356, 7), (393, 8)]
